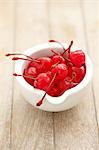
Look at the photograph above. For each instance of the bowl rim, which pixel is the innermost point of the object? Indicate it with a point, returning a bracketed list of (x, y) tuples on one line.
[(62, 98)]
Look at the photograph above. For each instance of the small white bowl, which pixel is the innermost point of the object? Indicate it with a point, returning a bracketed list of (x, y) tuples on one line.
[(69, 98)]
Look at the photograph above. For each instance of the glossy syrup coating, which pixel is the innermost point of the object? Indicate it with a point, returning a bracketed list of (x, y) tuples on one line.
[(77, 58)]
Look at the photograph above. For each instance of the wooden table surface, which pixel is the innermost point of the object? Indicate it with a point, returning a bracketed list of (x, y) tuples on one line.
[(23, 24)]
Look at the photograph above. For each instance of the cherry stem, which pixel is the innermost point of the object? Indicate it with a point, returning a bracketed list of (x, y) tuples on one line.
[(68, 49), (30, 77), (53, 66), (55, 52), (9, 54), (52, 81), (41, 101), (69, 63), (58, 43), (67, 59), (18, 58)]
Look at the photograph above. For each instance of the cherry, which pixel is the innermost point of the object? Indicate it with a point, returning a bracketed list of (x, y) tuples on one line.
[(70, 71), (77, 58), (54, 91), (42, 81), (49, 74), (49, 86), (28, 78), (69, 78), (26, 75), (79, 73), (36, 65), (46, 63), (69, 66), (61, 70), (32, 71), (64, 85), (58, 58)]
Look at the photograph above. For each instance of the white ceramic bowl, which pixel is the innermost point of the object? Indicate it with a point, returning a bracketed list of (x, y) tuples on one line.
[(69, 98)]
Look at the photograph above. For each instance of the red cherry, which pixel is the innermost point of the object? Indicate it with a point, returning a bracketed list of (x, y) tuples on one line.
[(42, 81), (45, 63), (29, 80), (70, 81), (68, 78), (49, 74), (36, 65), (70, 71), (64, 85), (47, 89), (54, 91), (79, 74), (58, 58), (32, 71), (77, 58), (61, 71)]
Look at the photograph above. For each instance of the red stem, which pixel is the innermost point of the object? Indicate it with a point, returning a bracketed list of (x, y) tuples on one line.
[(10, 54), (55, 52), (53, 66), (30, 77), (58, 43), (52, 81), (68, 49), (18, 58), (39, 103)]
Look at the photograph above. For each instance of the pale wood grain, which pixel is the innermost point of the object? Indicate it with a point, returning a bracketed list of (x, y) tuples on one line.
[(92, 34), (6, 85), (33, 22), (75, 129), (32, 129)]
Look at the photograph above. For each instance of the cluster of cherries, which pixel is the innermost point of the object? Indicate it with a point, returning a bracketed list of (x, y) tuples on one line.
[(54, 74)]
